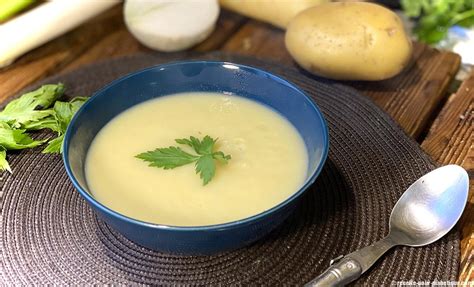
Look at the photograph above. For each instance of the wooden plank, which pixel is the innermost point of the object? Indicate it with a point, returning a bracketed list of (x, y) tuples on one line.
[(48, 59), (450, 141), (450, 138), (260, 40), (466, 225), (117, 43), (227, 24), (410, 98), (120, 42), (414, 95)]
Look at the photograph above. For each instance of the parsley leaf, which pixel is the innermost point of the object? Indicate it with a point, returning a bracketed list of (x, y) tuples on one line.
[(172, 157), (206, 168), (23, 112), (54, 145), (201, 147), (435, 17), (221, 157), (167, 158), (64, 111), (46, 123), (15, 139), (62, 116), (3, 160)]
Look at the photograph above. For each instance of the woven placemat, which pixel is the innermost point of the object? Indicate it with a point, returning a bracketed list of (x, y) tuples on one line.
[(50, 235)]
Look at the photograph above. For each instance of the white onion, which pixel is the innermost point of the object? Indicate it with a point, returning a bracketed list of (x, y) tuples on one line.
[(171, 25)]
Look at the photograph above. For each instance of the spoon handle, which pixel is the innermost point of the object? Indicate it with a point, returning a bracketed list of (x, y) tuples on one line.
[(340, 273), (351, 266)]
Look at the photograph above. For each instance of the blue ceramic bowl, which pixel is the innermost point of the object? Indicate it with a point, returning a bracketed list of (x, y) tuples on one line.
[(158, 81)]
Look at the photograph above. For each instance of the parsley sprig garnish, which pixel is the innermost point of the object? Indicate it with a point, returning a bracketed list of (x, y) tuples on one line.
[(172, 157)]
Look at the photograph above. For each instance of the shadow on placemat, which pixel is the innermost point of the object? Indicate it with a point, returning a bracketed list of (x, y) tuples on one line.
[(50, 235)]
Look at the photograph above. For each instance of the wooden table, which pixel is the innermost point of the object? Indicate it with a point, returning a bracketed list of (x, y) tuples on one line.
[(418, 99)]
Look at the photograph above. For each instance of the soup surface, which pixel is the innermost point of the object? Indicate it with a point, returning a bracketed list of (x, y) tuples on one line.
[(269, 160)]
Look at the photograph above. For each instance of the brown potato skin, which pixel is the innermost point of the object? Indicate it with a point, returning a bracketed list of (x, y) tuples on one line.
[(349, 41)]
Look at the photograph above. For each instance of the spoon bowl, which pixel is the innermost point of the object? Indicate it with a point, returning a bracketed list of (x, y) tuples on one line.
[(430, 207)]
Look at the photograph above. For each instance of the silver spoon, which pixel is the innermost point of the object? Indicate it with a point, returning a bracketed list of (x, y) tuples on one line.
[(427, 210)]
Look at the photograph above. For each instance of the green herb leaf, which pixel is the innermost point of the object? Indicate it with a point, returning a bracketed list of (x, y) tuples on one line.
[(206, 168), (221, 157), (201, 147), (15, 139), (55, 145), (23, 112), (412, 8), (64, 111), (3, 160), (167, 158), (435, 17), (62, 116), (45, 123), (172, 157)]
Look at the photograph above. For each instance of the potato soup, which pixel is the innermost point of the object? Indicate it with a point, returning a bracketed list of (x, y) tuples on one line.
[(268, 160)]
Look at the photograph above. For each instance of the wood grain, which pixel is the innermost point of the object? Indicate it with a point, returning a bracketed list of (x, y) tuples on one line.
[(466, 225), (120, 42), (117, 43), (259, 40), (450, 141), (226, 25), (50, 58), (410, 98)]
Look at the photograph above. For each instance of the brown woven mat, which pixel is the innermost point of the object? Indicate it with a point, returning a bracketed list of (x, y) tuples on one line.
[(50, 235)]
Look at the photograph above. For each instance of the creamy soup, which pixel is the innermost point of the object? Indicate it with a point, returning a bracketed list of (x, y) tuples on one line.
[(269, 160)]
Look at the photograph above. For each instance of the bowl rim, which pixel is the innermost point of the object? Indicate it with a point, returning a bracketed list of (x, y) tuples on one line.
[(221, 226)]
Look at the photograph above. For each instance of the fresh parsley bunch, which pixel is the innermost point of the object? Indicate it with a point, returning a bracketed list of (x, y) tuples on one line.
[(34, 111), (435, 17)]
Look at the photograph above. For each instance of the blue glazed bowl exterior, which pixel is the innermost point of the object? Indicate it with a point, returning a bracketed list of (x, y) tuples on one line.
[(204, 76)]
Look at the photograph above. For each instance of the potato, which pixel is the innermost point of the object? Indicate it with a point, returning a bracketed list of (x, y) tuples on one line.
[(349, 41), (276, 12)]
